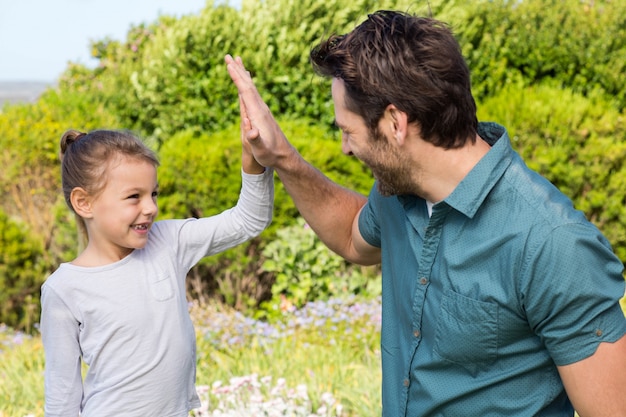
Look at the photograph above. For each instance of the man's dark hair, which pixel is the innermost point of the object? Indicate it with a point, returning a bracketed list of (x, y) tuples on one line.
[(412, 62)]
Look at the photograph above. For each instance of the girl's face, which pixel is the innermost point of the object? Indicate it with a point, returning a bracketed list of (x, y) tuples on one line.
[(124, 211)]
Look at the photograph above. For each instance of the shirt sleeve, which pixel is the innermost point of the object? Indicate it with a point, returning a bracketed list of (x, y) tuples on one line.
[(368, 221), (62, 376), (572, 292), (253, 212)]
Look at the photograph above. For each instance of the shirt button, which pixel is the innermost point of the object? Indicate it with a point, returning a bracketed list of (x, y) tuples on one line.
[(416, 333), (423, 281), (406, 382), (598, 332)]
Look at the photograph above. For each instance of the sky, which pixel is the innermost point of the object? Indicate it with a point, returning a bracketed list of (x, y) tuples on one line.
[(39, 37)]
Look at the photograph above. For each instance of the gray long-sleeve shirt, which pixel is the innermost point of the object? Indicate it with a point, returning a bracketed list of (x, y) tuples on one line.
[(129, 321)]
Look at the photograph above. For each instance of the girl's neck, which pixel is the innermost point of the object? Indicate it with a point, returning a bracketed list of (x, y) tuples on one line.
[(93, 258)]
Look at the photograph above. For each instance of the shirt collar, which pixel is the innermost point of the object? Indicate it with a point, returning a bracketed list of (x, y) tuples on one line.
[(473, 189)]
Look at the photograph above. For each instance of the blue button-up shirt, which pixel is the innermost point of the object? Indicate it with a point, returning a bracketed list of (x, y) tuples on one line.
[(485, 297)]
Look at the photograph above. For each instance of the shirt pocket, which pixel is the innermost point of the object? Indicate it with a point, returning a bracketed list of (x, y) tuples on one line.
[(161, 287), (467, 331)]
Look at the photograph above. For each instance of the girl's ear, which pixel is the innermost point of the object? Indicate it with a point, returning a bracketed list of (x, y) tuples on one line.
[(81, 202)]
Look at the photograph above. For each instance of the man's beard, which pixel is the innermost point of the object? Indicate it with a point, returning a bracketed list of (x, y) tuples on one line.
[(390, 167)]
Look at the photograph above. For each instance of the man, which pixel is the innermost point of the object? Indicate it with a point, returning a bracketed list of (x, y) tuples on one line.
[(499, 298)]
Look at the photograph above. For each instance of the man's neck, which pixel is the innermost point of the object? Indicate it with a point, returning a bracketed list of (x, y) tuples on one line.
[(443, 169)]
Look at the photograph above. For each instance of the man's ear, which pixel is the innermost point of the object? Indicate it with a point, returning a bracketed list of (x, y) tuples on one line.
[(397, 122), (81, 202)]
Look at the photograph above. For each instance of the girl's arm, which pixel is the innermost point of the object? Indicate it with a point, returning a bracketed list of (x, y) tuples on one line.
[(248, 163), (62, 376)]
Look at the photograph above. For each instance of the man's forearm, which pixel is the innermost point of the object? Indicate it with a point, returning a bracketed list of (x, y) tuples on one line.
[(327, 207)]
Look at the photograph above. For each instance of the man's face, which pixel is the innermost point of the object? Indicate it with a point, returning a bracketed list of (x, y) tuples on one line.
[(389, 165)]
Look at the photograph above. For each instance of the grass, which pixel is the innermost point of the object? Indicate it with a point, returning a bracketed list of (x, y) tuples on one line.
[(321, 360), (21, 375)]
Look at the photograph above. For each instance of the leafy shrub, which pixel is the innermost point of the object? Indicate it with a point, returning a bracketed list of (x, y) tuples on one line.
[(30, 177), (306, 270), (579, 45), (21, 274)]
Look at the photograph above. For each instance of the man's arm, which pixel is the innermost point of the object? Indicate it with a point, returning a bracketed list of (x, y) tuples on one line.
[(331, 210), (596, 385)]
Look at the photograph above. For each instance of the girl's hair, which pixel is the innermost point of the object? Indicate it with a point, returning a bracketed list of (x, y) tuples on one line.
[(412, 62), (86, 157)]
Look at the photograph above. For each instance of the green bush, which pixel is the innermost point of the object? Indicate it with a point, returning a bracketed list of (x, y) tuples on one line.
[(30, 176), (306, 270), (579, 45), (21, 274)]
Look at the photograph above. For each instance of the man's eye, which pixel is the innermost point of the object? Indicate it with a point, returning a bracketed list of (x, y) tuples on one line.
[(341, 133)]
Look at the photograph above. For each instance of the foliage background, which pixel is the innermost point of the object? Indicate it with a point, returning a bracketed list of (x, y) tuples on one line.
[(549, 70)]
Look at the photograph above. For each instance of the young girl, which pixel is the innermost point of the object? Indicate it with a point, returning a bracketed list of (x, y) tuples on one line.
[(120, 306)]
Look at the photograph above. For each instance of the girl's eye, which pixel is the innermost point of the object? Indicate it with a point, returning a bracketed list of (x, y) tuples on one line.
[(133, 196), (155, 194)]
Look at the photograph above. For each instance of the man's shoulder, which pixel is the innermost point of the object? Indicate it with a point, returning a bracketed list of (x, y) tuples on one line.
[(530, 191)]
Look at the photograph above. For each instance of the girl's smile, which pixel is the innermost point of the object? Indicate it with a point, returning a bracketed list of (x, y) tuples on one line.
[(120, 216)]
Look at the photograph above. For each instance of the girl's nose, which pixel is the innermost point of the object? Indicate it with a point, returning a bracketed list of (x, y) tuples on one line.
[(150, 207)]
